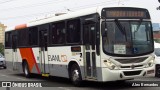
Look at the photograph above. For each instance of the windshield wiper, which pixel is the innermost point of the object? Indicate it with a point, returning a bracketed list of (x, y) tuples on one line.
[(139, 24), (120, 27)]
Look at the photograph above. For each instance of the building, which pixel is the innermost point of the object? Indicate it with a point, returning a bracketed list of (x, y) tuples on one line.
[(2, 29), (156, 31)]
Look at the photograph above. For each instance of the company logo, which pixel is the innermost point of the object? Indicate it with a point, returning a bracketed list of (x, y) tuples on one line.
[(132, 66)]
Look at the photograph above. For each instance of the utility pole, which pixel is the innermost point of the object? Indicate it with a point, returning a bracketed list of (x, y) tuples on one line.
[(119, 2), (158, 8)]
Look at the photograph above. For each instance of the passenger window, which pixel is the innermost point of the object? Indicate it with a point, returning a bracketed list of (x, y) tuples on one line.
[(22, 37), (8, 40), (33, 36), (73, 31), (58, 33)]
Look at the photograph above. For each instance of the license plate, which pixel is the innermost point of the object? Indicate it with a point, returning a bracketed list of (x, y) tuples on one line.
[(150, 71)]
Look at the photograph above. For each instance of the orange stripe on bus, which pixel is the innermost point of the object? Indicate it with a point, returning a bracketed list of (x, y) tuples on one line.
[(27, 53), (22, 26), (35, 60)]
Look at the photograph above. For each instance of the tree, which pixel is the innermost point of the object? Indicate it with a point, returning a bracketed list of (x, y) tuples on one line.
[(1, 48)]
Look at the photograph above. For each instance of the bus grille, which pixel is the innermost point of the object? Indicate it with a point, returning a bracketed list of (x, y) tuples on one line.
[(131, 60), (130, 73), (130, 67)]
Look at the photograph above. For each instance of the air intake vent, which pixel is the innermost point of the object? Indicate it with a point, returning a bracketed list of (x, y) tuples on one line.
[(131, 60), (58, 14), (135, 66), (131, 73)]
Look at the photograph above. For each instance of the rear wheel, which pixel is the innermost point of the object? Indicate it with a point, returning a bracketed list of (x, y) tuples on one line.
[(26, 70), (157, 73), (76, 75)]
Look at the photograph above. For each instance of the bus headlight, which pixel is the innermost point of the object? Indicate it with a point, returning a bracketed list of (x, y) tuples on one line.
[(110, 65), (150, 63)]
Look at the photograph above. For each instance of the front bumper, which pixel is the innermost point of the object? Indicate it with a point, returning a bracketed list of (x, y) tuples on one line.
[(114, 75), (2, 64)]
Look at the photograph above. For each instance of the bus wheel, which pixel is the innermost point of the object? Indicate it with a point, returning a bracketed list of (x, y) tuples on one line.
[(26, 70), (157, 73), (76, 75)]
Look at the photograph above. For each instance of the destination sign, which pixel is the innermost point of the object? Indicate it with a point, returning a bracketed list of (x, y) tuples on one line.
[(125, 13)]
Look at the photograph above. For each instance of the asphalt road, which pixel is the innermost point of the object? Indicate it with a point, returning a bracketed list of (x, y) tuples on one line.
[(64, 84)]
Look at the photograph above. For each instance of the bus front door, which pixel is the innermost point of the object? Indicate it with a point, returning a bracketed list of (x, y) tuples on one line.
[(14, 54), (90, 52), (43, 52)]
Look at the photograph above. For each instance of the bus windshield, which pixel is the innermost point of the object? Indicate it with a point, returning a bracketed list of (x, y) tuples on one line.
[(127, 37)]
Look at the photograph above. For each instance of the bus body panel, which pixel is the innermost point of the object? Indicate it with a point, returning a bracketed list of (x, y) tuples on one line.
[(59, 58)]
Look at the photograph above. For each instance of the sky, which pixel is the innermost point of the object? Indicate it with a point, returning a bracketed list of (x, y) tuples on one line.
[(15, 12)]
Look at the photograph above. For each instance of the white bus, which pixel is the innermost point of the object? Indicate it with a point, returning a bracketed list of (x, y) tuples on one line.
[(97, 44)]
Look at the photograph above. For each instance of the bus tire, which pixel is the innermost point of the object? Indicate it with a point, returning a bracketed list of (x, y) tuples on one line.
[(76, 77), (157, 73), (26, 70)]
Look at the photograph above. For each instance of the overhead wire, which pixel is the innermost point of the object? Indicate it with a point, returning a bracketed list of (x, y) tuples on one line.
[(6, 1), (49, 12), (31, 5), (98, 4)]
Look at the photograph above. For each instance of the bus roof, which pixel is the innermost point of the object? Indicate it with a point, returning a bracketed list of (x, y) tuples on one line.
[(69, 15), (65, 16)]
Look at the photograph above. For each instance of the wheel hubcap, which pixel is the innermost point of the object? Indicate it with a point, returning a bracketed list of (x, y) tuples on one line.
[(26, 70), (75, 75)]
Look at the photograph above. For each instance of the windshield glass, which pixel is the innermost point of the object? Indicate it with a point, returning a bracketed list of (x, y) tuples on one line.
[(127, 37)]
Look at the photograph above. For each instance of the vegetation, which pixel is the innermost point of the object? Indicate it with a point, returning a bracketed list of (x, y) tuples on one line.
[(1, 48)]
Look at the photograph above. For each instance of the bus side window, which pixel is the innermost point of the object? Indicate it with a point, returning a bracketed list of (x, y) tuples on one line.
[(53, 34), (33, 36), (8, 40), (58, 33), (22, 37), (73, 31)]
